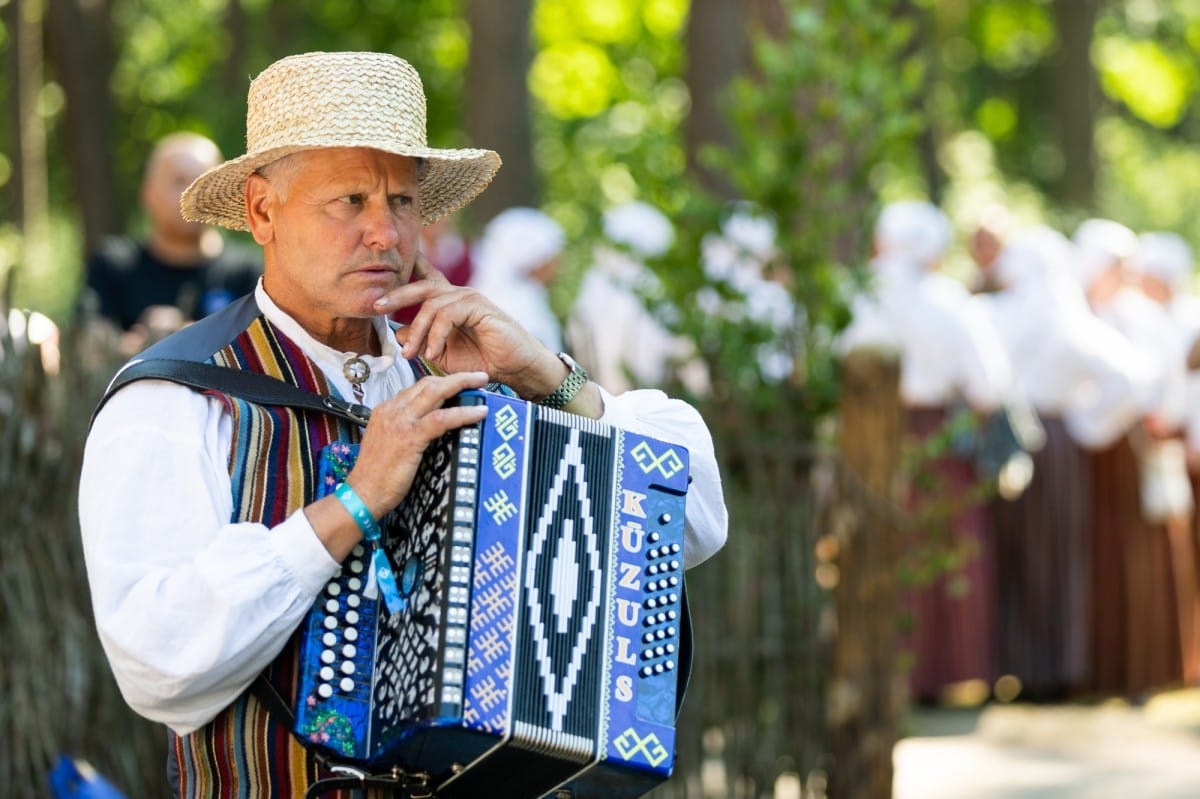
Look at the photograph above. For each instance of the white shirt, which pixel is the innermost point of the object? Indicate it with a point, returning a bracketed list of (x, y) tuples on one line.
[(190, 607), (614, 335), (1067, 362), (948, 347)]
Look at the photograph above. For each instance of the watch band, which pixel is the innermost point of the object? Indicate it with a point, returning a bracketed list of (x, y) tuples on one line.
[(575, 380)]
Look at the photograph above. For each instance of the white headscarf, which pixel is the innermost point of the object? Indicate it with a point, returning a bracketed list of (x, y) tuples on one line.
[(641, 227), (1099, 244), (913, 229), (1166, 256), (515, 243)]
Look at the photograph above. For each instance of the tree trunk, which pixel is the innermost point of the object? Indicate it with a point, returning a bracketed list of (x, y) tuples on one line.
[(1074, 93), (80, 51), (31, 146), (497, 100), (866, 690), (716, 50)]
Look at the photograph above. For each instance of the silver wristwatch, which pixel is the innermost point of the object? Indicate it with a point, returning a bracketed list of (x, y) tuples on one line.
[(569, 387)]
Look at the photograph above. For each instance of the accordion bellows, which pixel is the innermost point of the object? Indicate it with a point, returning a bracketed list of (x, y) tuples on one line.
[(541, 643)]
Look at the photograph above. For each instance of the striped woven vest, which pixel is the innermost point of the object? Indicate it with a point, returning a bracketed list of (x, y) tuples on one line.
[(243, 752)]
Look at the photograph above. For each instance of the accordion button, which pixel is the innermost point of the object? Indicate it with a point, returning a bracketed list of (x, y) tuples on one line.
[(651, 602), (358, 551), (326, 674), (664, 519), (333, 589), (332, 606), (648, 638), (347, 684), (355, 584), (331, 622), (653, 538), (347, 667), (329, 639), (325, 691), (648, 671), (349, 650), (351, 634), (670, 664), (352, 617), (356, 566), (671, 631), (652, 553), (328, 657), (353, 600)]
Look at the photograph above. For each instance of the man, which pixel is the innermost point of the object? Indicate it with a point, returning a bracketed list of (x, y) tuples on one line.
[(204, 544), (181, 270)]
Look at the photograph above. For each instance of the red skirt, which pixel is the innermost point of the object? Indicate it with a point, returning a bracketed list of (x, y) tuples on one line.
[(952, 607)]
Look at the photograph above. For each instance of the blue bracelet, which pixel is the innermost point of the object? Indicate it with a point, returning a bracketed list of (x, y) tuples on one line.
[(358, 509)]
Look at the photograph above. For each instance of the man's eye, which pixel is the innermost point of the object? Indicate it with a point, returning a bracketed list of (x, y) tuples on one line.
[(401, 200), (353, 199)]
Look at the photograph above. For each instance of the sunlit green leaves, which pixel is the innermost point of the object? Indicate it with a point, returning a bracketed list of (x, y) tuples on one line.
[(1014, 35), (1155, 84), (574, 79)]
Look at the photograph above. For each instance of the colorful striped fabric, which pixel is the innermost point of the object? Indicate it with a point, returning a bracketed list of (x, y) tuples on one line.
[(242, 753)]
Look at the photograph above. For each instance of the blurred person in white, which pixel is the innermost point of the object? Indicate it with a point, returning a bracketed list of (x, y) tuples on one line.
[(1087, 385), (743, 256), (985, 242), (515, 262), (948, 349), (1143, 580), (610, 330), (950, 356)]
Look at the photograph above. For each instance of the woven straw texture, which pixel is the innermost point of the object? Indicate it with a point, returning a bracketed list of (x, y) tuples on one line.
[(319, 100)]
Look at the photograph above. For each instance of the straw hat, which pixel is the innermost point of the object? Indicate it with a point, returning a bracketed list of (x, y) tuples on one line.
[(320, 100)]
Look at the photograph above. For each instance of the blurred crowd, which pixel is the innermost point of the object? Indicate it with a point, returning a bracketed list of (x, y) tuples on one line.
[(1075, 359)]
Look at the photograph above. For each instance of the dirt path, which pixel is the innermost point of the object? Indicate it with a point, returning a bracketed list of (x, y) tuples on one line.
[(1102, 751)]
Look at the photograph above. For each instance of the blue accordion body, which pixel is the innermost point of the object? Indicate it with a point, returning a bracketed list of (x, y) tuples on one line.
[(540, 557)]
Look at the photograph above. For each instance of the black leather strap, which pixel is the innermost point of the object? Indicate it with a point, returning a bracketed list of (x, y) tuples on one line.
[(252, 386)]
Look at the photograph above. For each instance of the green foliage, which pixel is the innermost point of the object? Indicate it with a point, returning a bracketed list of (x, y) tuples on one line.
[(813, 123)]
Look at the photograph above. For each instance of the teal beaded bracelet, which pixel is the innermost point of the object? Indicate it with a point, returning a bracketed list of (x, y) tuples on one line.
[(358, 509)]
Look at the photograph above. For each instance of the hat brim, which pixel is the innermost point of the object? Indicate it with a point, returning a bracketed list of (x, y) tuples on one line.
[(452, 178)]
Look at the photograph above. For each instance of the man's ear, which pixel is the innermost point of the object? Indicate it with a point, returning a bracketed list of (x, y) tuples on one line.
[(260, 202)]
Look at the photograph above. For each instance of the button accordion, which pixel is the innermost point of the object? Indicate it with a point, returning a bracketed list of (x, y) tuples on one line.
[(542, 638)]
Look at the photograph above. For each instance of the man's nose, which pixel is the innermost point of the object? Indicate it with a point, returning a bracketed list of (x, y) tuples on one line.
[(381, 228)]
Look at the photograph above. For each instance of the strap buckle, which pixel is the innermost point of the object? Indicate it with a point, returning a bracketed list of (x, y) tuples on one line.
[(359, 413)]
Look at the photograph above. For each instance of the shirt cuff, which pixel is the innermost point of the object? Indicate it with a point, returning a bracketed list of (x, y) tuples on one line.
[(303, 554)]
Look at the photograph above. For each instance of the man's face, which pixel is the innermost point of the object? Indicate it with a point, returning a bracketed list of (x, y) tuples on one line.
[(344, 233), (170, 172)]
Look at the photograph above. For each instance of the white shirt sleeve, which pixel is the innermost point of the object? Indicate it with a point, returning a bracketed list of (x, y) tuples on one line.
[(651, 412), (189, 607)]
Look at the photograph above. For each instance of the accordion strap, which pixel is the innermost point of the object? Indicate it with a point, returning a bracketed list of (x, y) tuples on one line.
[(252, 386)]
